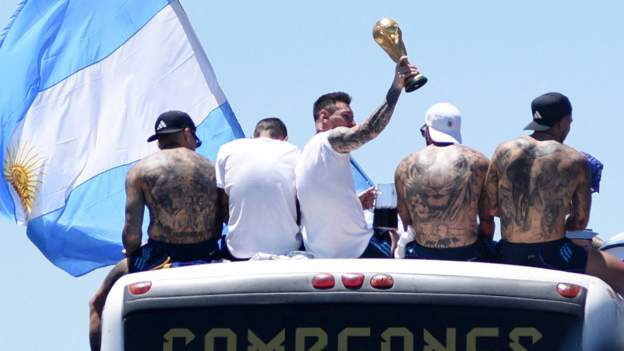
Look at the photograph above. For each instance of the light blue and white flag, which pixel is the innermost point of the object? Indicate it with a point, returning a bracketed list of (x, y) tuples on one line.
[(82, 83), (360, 178)]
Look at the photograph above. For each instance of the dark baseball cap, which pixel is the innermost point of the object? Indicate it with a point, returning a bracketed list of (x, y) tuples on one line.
[(548, 109), (172, 122)]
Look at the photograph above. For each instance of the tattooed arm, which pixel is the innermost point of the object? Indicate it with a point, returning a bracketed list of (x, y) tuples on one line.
[(135, 205), (581, 199), (345, 140), (223, 208), (486, 217), (488, 202), (401, 204)]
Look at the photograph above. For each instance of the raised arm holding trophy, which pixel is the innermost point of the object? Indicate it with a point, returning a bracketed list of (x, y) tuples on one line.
[(387, 34)]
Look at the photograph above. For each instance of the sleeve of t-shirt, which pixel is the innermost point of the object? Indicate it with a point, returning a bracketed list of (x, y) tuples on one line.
[(327, 148), (220, 168)]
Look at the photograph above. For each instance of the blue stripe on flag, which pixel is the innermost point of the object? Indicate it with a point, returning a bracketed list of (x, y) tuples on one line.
[(86, 233), (361, 179)]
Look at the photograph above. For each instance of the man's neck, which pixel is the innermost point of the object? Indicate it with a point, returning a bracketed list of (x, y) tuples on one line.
[(436, 144), (543, 136), (171, 146)]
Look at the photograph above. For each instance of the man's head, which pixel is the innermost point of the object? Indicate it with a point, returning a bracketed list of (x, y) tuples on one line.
[(332, 110), (175, 129), (271, 127), (552, 114), (442, 124)]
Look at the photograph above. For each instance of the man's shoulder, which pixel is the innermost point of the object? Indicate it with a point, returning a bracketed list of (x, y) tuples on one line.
[(320, 142), (233, 145), (512, 144), (474, 154), (573, 153), (411, 158), (319, 137), (510, 149), (246, 146), (145, 167), (146, 163), (575, 157), (176, 157), (279, 144)]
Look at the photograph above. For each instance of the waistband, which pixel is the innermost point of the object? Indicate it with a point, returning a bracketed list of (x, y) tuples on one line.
[(203, 249), (151, 241), (542, 245), (449, 249)]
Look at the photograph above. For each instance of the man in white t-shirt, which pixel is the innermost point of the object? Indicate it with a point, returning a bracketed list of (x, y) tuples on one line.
[(258, 178), (331, 211)]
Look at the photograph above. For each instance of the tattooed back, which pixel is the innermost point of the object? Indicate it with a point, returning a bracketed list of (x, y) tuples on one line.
[(181, 195), (533, 185), (439, 188)]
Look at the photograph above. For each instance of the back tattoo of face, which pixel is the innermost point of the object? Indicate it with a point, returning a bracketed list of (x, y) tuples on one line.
[(535, 188), (181, 195), (442, 188)]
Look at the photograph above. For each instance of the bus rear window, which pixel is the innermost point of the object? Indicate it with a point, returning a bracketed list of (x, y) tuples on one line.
[(354, 326)]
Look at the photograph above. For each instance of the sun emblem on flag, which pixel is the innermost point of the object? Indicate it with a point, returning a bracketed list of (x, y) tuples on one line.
[(23, 169)]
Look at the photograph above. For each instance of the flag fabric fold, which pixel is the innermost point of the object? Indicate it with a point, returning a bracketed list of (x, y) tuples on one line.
[(83, 82)]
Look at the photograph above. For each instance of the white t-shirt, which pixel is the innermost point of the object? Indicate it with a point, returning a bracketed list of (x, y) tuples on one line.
[(258, 175), (331, 211)]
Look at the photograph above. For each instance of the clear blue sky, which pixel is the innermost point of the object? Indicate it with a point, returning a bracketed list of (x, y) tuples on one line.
[(274, 58)]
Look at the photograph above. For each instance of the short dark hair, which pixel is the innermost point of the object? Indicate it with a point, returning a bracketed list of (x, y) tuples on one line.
[(328, 102), (275, 127)]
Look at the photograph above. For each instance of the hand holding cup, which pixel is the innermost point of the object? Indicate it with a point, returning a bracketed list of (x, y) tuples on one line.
[(387, 34)]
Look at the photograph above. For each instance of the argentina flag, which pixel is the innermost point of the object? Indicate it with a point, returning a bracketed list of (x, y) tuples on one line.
[(82, 84), (360, 178)]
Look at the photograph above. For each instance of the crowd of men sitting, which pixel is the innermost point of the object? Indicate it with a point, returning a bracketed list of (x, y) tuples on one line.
[(276, 199)]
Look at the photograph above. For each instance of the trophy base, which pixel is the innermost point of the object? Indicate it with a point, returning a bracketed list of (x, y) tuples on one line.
[(415, 82)]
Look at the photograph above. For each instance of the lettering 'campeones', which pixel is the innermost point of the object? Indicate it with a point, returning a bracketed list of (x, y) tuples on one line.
[(316, 339)]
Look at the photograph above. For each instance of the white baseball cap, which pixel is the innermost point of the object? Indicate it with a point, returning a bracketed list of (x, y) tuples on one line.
[(444, 122)]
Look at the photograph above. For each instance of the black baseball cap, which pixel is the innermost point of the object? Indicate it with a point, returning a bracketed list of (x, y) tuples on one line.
[(548, 109), (172, 122)]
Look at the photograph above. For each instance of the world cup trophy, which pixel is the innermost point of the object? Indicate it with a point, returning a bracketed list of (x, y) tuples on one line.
[(387, 34)]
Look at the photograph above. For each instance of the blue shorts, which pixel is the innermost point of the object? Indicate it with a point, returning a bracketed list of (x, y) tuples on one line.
[(379, 245), (561, 255), (226, 254), (157, 254), (482, 250)]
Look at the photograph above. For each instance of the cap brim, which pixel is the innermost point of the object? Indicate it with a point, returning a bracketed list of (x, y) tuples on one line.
[(440, 137), (164, 132), (536, 126)]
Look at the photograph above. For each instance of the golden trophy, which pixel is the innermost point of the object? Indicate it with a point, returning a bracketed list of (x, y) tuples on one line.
[(387, 34)]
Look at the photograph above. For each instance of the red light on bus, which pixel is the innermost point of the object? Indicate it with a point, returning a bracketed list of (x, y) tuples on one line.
[(353, 280), (323, 281), (568, 290), (382, 281), (139, 288)]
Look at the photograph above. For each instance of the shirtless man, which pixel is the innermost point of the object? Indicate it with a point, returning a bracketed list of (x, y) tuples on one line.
[(540, 188), (439, 192), (178, 187), (331, 211)]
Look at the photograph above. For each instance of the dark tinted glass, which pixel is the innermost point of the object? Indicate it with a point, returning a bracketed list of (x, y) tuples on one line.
[(350, 326)]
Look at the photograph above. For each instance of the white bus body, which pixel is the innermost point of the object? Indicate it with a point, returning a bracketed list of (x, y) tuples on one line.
[(374, 304)]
